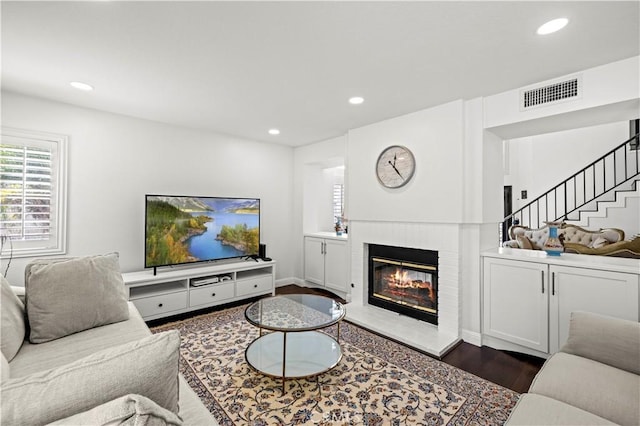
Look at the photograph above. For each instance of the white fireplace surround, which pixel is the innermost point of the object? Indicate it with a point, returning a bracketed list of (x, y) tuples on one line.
[(444, 238)]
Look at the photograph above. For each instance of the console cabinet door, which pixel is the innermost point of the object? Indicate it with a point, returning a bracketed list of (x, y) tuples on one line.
[(602, 292), (515, 305), (336, 265), (314, 260)]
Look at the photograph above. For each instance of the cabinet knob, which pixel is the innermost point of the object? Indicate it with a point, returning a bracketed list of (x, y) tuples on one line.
[(159, 305), (255, 286), (213, 295)]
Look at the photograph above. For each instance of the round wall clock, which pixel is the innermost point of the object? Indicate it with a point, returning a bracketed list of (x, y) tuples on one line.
[(395, 166)]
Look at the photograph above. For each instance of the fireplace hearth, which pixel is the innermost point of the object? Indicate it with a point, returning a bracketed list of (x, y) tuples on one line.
[(404, 280)]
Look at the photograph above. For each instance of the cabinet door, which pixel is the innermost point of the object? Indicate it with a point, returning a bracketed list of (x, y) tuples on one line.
[(515, 305), (602, 292), (314, 260), (336, 265)]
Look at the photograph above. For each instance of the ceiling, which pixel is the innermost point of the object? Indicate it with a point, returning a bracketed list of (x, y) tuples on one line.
[(242, 68)]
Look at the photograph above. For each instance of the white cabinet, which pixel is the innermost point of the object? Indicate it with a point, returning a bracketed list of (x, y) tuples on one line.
[(172, 292), (516, 302), (336, 258), (314, 260), (527, 302), (326, 262), (602, 292)]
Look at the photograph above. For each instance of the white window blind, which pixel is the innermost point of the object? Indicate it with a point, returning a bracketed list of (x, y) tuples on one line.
[(338, 201), (32, 191)]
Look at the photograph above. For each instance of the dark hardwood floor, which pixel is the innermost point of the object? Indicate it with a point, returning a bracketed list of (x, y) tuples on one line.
[(511, 370)]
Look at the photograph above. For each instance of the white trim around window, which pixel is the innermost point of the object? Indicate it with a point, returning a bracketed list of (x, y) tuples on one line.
[(33, 192)]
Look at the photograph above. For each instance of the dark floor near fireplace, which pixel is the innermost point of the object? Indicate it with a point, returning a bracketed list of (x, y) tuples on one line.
[(511, 370)]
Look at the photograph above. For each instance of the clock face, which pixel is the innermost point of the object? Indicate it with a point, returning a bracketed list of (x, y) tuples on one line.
[(395, 166)]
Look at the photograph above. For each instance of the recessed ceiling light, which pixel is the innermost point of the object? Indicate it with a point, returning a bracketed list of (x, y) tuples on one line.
[(81, 86), (356, 100), (274, 131), (553, 26)]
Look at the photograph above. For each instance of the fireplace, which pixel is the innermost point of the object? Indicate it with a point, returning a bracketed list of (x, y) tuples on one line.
[(404, 280)]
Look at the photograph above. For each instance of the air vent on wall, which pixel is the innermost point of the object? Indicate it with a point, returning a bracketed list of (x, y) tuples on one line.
[(553, 93)]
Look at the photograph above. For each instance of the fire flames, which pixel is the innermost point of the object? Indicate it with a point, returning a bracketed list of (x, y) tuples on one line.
[(400, 281)]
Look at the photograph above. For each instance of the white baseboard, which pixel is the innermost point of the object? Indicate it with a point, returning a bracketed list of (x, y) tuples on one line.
[(472, 337), (286, 281)]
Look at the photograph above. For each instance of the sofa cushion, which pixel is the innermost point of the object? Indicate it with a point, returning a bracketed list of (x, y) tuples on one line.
[(524, 242), (13, 330), (605, 391), (129, 410), (65, 296), (535, 410), (4, 368), (577, 235), (148, 367), (613, 341), (192, 410), (43, 356), (630, 249), (599, 242)]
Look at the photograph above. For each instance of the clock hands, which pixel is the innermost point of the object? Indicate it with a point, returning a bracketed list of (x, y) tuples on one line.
[(394, 167)]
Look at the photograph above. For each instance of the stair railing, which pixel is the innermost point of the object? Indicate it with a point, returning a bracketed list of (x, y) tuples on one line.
[(583, 188)]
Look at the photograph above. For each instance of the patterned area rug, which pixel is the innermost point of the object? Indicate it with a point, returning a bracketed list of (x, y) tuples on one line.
[(377, 382)]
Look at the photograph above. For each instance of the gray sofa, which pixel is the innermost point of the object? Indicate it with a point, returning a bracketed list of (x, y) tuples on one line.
[(593, 380), (116, 373)]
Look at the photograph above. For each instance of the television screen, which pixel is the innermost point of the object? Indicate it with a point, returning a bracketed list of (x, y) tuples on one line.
[(180, 229)]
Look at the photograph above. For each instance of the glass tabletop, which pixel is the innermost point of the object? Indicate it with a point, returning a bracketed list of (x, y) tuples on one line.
[(294, 312)]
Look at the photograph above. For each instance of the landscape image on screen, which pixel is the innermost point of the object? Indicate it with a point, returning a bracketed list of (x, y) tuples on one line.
[(195, 229)]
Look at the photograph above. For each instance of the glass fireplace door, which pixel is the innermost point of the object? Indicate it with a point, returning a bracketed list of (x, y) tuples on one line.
[(405, 283)]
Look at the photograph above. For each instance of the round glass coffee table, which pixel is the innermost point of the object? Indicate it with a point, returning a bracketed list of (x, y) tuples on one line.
[(294, 349)]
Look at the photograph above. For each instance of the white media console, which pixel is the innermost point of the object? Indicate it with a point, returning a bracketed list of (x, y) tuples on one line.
[(179, 290)]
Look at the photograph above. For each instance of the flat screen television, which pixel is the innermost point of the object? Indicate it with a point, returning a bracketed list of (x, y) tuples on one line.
[(183, 229)]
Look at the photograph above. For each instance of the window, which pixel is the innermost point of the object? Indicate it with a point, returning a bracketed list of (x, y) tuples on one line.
[(338, 202), (33, 192)]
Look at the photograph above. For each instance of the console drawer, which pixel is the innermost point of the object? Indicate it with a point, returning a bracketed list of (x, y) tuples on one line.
[(211, 294), (157, 305), (254, 285)]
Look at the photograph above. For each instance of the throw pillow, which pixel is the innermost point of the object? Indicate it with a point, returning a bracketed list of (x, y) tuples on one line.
[(524, 242), (599, 242), (129, 410), (13, 328), (609, 340), (147, 367), (65, 296)]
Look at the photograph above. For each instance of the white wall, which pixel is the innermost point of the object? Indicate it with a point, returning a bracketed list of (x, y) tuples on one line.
[(452, 205), (435, 136), (115, 160), (447, 191), (537, 163), (311, 189), (610, 93)]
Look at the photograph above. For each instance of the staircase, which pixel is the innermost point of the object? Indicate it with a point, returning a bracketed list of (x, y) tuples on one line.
[(605, 208), (605, 183)]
